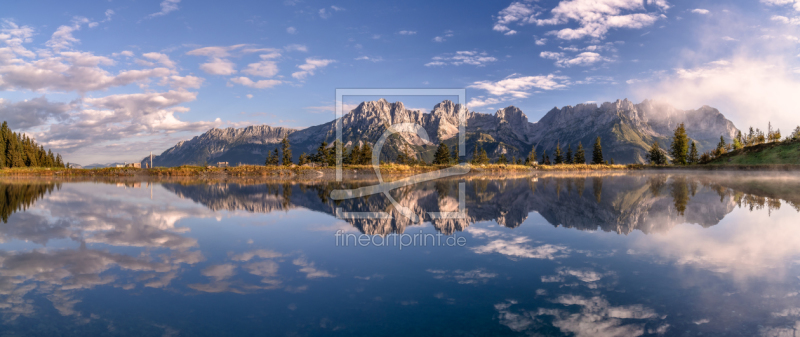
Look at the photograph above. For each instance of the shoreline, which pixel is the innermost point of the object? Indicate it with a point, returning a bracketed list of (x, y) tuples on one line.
[(390, 172)]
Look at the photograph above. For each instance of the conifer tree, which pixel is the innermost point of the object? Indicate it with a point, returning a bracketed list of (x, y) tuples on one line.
[(366, 154), (454, 159), (680, 145), (303, 159), (580, 155), (322, 154), (597, 153), (287, 151), (720, 146), (442, 155), (559, 158), (656, 156), (483, 159), (531, 156), (694, 157), (569, 158), (502, 159)]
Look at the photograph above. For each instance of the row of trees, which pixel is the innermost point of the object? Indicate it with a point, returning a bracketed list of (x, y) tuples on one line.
[(19, 150), (362, 155), (683, 152)]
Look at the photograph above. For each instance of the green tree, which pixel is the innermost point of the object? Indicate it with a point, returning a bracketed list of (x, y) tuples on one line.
[(303, 159), (442, 155), (694, 157), (531, 159), (597, 153), (545, 158), (454, 159), (720, 146), (322, 154), (502, 159), (366, 154), (680, 145), (656, 156), (287, 151), (569, 158), (559, 158), (580, 155)]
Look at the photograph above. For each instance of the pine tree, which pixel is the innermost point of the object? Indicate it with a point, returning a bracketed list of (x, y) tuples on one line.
[(580, 155), (442, 155), (559, 158), (694, 157), (454, 159), (287, 151), (545, 158), (476, 155), (355, 155), (366, 155), (321, 156), (680, 145), (303, 159), (656, 156), (502, 159), (597, 153), (531, 157), (720, 146), (483, 159), (569, 158)]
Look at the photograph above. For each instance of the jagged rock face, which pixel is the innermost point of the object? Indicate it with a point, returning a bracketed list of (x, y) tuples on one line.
[(627, 131), (216, 142)]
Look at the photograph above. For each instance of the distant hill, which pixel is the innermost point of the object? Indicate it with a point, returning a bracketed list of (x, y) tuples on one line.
[(763, 154), (627, 130), (103, 165)]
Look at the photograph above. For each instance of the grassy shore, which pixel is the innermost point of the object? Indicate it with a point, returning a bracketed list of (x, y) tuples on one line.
[(778, 153), (280, 171)]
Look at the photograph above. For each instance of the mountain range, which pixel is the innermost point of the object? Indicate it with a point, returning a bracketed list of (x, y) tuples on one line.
[(627, 130)]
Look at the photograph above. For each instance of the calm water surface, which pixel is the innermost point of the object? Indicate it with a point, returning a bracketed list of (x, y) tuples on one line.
[(631, 254)]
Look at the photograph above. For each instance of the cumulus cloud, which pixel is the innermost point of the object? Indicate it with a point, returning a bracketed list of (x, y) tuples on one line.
[(407, 32), (309, 269), (291, 30), (748, 90), (62, 38), (700, 11), (326, 13), (34, 112), (167, 6), (582, 59), (264, 68), (160, 58), (462, 57), (311, 65), (594, 17), (260, 84), (70, 71), (516, 86), (217, 64), (14, 36)]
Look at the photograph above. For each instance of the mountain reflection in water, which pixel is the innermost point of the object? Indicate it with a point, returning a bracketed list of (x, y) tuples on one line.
[(620, 203), (701, 253)]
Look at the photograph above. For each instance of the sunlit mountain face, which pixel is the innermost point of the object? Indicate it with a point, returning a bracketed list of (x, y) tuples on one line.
[(606, 254)]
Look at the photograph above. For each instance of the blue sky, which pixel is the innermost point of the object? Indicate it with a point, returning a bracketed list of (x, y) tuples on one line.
[(103, 81)]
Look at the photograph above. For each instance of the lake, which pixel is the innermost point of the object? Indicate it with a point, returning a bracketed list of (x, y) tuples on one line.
[(545, 254)]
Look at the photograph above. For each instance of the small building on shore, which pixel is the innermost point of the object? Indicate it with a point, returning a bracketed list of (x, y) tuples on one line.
[(222, 164), (133, 165)]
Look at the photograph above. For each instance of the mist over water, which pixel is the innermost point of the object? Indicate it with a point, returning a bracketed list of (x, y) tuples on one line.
[(602, 254)]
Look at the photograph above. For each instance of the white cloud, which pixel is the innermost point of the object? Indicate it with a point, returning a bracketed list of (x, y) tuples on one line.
[(167, 6), (218, 66), (261, 84), (785, 20), (517, 12), (371, 59), (34, 112), (795, 3), (517, 86), (594, 17), (407, 32), (184, 82), (700, 11), (249, 96), (462, 57), (160, 58), (62, 38), (291, 30), (325, 13), (264, 68), (14, 37), (442, 38), (749, 90), (582, 59), (728, 38), (311, 65), (541, 42)]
